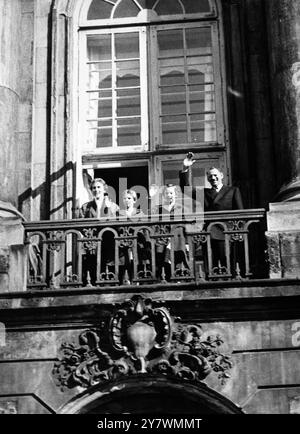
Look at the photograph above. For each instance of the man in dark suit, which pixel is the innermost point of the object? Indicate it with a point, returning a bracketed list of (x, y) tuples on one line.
[(217, 198)]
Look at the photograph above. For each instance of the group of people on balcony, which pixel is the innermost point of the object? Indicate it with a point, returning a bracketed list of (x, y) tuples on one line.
[(217, 198)]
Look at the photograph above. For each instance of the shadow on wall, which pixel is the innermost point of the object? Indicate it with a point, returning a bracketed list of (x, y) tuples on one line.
[(43, 192)]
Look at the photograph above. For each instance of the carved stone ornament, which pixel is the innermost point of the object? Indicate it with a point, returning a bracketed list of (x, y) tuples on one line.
[(141, 338), (8, 407)]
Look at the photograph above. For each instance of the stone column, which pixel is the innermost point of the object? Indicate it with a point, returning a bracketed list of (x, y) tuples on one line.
[(283, 18), (10, 23), (283, 218)]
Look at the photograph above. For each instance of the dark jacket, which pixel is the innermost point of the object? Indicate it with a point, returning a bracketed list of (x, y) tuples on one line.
[(228, 198), (89, 210)]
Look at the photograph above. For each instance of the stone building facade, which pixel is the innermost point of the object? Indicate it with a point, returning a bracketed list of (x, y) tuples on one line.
[(122, 89)]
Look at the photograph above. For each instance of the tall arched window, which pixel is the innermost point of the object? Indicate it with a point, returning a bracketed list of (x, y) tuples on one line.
[(150, 85)]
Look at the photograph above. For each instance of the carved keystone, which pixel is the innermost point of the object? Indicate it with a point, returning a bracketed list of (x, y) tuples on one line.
[(141, 338)]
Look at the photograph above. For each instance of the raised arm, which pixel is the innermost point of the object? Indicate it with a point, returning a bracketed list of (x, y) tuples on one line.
[(184, 173)]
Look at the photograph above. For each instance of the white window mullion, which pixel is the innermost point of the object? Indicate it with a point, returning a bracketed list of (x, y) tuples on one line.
[(84, 133), (154, 82), (187, 88), (217, 79), (114, 95), (144, 91)]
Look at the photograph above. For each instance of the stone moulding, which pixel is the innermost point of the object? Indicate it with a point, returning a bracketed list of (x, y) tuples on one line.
[(141, 338)]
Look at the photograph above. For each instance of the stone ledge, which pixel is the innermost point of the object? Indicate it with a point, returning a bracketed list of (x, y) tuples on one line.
[(185, 292)]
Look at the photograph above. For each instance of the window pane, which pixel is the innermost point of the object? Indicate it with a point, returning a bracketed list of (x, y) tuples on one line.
[(100, 9), (104, 138), (100, 134), (127, 46), (128, 73), (198, 41), (172, 76), (113, 90), (203, 128), (173, 102), (170, 170), (174, 129), (127, 8), (129, 132), (99, 107), (99, 47), (194, 6), (186, 84), (147, 4), (100, 76), (200, 74), (170, 43), (169, 7), (202, 102), (128, 103), (172, 71)]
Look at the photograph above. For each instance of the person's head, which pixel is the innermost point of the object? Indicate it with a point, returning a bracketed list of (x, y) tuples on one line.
[(170, 193), (129, 198), (98, 187), (215, 177)]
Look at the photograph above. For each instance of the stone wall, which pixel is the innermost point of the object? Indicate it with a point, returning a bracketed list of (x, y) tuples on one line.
[(264, 377), (12, 250)]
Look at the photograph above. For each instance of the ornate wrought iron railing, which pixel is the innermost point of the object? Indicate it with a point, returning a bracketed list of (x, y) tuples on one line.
[(146, 250)]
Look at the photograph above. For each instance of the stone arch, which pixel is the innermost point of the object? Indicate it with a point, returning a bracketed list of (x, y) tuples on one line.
[(141, 394)]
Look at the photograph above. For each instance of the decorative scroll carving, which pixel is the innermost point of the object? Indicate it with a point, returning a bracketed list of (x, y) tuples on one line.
[(237, 226), (140, 338), (200, 239), (144, 274), (220, 270), (162, 234), (182, 271), (35, 279), (55, 240), (108, 276), (72, 278), (89, 244), (76, 248), (8, 407), (126, 236)]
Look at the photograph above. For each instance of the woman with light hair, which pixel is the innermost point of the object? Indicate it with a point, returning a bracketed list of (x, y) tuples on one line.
[(101, 205)]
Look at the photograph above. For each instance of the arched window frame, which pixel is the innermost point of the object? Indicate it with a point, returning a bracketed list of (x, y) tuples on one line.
[(201, 21), (143, 17)]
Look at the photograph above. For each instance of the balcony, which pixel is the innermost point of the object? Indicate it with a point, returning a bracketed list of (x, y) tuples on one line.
[(150, 250)]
